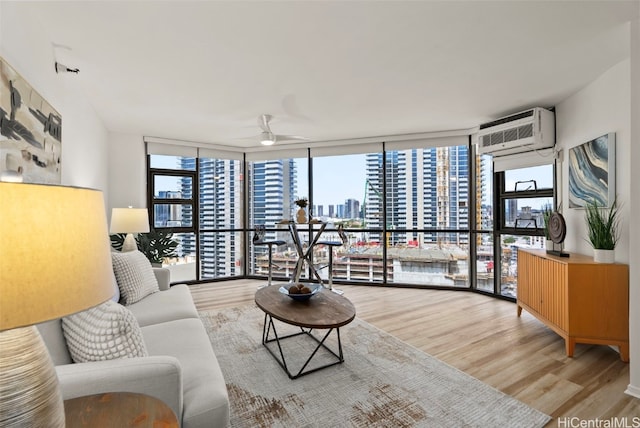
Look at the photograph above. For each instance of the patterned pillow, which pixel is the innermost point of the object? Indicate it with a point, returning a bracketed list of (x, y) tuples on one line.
[(135, 276), (106, 332)]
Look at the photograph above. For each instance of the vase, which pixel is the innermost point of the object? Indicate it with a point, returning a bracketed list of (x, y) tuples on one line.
[(603, 256), (301, 216), (548, 245)]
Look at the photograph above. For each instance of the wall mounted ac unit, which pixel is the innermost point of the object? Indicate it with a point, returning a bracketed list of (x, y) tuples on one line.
[(521, 132)]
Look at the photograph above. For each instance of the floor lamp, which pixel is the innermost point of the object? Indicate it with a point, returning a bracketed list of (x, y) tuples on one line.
[(54, 261), (129, 221)]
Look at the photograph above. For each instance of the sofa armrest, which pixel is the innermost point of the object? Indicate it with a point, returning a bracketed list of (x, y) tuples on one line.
[(163, 275), (157, 376)]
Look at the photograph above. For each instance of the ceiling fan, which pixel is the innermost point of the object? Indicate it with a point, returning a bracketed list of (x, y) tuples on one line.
[(268, 138)]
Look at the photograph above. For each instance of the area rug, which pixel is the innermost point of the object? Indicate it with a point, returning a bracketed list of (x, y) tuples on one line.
[(383, 382)]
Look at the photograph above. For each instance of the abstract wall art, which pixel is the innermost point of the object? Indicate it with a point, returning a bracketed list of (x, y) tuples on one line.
[(30, 132), (592, 172)]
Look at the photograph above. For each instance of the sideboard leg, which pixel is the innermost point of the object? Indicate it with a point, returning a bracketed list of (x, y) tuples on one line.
[(569, 345), (519, 310), (624, 351)]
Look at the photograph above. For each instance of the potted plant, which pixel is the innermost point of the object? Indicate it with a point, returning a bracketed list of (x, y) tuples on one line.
[(156, 245), (301, 214), (604, 229)]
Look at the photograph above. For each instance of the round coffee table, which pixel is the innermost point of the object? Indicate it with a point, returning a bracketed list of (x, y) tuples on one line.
[(324, 311)]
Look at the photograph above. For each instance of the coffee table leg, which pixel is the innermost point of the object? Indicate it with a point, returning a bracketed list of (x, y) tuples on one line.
[(269, 325)]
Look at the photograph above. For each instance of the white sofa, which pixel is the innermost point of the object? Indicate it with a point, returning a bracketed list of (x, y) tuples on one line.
[(181, 369)]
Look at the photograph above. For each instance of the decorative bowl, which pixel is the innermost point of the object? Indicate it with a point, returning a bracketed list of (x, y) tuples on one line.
[(315, 288)]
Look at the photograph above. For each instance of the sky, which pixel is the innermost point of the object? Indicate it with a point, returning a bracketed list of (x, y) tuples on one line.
[(338, 178)]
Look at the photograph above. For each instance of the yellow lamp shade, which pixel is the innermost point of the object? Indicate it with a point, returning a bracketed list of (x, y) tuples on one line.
[(54, 252)]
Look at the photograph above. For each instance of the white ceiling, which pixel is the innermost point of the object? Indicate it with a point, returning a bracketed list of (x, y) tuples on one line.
[(204, 71)]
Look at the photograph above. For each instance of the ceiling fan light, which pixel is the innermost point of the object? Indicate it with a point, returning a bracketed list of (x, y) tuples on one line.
[(266, 139)]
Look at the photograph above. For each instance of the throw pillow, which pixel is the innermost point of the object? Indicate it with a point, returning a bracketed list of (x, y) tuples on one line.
[(135, 276), (105, 332)]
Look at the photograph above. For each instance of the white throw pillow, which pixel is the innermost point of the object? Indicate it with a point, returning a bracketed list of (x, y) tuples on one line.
[(106, 332), (135, 276)]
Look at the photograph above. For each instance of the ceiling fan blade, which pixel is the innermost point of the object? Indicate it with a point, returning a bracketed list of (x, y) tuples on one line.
[(263, 122), (281, 138)]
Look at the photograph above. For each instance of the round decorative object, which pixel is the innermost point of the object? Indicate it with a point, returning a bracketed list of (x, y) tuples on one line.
[(314, 288), (557, 228)]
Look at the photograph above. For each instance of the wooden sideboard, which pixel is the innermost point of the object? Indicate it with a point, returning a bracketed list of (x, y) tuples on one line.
[(581, 300)]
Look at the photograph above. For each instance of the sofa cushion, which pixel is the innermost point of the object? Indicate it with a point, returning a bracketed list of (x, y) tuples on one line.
[(135, 276), (206, 402), (51, 333), (105, 332), (116, 288), (173, 304)]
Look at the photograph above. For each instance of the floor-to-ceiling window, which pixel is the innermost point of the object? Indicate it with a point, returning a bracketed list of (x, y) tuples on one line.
[(198, 195), (407, 208), (523, 196), (427, 215), (220, 209), (483, 231), (173, 195), (274, 183), (512, 194), (346, 192)]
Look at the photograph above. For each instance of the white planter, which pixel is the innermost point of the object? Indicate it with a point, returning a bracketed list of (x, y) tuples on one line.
[(604, 256), (548, 245)]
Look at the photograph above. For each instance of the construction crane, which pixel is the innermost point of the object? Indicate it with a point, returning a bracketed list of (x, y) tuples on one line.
[(368, 185)]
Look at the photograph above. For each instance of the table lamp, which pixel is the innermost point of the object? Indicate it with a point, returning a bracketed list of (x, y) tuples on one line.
[(129, 221), (54, 261)]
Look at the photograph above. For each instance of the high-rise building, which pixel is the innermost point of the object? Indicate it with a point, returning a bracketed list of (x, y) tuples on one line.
[(219, 185), (168, 215), (351, 209), (425, 188), (220, 195), (272, 186)]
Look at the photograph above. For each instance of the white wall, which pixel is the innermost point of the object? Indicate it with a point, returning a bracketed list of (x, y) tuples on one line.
[(611, 103), (84, 138), (601, 107), (127, 175), (634, 206)]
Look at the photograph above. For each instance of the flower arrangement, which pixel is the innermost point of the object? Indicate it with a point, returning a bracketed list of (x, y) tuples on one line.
[(302, 202)]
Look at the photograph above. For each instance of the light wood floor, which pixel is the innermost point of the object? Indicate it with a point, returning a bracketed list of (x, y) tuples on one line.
[(483, 337)]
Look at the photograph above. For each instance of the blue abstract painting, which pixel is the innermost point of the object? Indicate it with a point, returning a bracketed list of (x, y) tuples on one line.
[(592, 172)]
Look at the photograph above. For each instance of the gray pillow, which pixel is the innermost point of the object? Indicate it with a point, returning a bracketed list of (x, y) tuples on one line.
[(135, 276), (105, 332)]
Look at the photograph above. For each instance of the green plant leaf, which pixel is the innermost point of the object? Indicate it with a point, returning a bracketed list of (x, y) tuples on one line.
[(603, 225), (156, 245)]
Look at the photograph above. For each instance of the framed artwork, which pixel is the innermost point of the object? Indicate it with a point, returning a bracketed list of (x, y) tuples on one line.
[(30, 132), (592, 172)]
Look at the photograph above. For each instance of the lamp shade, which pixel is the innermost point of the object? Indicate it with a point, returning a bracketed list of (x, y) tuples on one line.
[(54, 252), (129, 220)]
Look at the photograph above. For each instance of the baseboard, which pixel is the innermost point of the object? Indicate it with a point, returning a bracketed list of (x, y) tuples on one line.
[(634, 391)]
